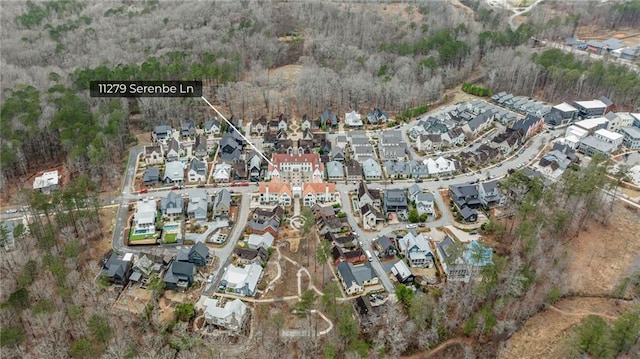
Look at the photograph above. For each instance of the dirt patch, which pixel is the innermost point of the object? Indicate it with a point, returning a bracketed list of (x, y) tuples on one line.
[(98, 248), (134, 300), (628, 36), (601, 256), (544, 335)]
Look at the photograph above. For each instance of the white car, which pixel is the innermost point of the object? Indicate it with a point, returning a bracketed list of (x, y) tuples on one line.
[(409, 226), (13, 210)]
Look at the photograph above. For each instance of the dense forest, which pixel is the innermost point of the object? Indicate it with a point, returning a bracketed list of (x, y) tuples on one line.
[(345, 55), (396, 56)]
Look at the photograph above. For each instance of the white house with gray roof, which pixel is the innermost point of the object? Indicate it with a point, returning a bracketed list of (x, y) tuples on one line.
[(172, 205), (173, 173), (425, 204), (355, 278), (416, 249), (242, 280), (222, 204), (198, 205), (197, 171), (231, 317), (631, 137)]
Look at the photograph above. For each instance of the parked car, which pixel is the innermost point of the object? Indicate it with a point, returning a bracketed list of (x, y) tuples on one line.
[(244, 184), (12, 210), (418, 180), (144, 190), (175, 188), (409, 226), (200, 186)]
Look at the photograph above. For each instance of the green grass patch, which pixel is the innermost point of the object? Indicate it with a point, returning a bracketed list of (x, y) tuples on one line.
[(140, 237), (171, 238)]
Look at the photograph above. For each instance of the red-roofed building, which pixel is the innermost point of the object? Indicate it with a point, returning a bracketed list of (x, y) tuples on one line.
[(275, 192), (313, 193)]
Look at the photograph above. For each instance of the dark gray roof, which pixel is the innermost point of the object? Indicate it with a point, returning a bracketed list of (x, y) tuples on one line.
[(150, 174), (201, 249), (173, 200), (525, 123), (480, 119), (179, 271), (467, 212), (385, 242), (198, 166), (223, 198)]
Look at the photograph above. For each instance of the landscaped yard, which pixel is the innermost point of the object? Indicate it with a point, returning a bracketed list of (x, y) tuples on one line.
[(170, 237), (140, 237)]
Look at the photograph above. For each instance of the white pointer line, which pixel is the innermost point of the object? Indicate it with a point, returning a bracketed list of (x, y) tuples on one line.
[(240, 133)]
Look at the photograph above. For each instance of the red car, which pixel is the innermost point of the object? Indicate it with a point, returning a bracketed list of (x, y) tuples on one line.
[(244, 184), (234, 184), (144, 190), (175, 188)]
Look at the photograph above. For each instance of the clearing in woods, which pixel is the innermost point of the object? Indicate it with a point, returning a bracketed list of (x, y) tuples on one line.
[(600, 258)]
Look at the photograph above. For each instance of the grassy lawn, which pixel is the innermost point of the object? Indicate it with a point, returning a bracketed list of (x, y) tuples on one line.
[(139, 237), (170, 238)]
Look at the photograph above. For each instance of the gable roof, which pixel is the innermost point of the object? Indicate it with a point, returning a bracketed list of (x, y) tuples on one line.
[(201, 249), (197, 165), (223, 198)]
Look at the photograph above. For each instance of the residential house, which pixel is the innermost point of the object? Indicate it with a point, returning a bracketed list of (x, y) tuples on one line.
[(247, 256), (197, 171), (440, 166), (362, 153), (401, 271), (117, 270), (452, 261), (490, 195), (416, 249), (355, 278), (363, 307), (263, 226), (370, 216), (222, 172), (465, 194), (173, 152), (200, 148), (395, 170), (413, 191), (354, 170), (631, 137), (418, 169), (172, 205), (151, 176), (343, 241), (618, 120), (590, 109), (340, 254), (561, 114), (259, 125), (554, 163), (144, 219), (455, 136), (395, 201), (528, 126), (337, 154), (613, 138), (368, 196), (574, 135), (198, 254), (47, 182), (468, 214), (256, 241), (254, 166), (313, 193), (478, 124), (241, 280), (161, 133), (335, 171), (507, 141), (179, 275), (173, 173), (212, 126), (188, 128), (283, 122), (591, 145), (591, 125), (425, 204), (429, 142), (222, 204), (231, 317), (261, 213), (230, 149), (198, 205), (377, 117), (483, 154), (353, 119), (393, 153), (372, 170), (153, 155), (306, 124), (328, 119), (275, 192), (386, 247)]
